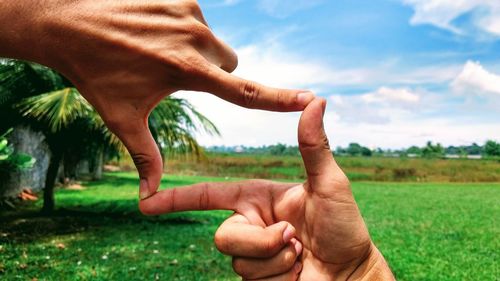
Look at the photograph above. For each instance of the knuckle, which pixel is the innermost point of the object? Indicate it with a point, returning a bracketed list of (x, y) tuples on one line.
[(141, 160), (188, 68), (325, 142), (240, 268), (232, 61), (289, 258), (204, 199), (307, 145), (272, 245), (146, 209), (191, 7), (315, 143), (221, 241), (199, 32), (251, 93), (280, 98)]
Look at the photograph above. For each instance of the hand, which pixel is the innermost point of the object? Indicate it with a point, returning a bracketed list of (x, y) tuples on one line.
[(125, 56), (321, 213)]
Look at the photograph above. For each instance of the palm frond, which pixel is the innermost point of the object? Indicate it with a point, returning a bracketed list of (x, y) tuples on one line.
[(174, 123), (57, 109)]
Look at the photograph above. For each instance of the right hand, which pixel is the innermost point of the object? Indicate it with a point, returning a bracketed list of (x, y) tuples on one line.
[(333, 241), (125, 56)]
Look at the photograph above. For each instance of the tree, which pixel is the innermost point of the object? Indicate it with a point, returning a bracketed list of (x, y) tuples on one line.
[(433, 151), (10, 160), (414, 150), (354, 149), (73, 128), (474, 149), (365, 151), (492, 148)]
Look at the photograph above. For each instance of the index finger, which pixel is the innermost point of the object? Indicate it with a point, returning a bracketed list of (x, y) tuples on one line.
[(251, 94), (197, 197)]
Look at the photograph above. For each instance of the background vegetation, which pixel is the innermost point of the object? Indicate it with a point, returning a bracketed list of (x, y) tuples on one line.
[(357, 168)]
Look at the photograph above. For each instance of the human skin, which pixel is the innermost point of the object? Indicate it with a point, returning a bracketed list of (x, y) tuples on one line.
[(281, 231), (125, 56)]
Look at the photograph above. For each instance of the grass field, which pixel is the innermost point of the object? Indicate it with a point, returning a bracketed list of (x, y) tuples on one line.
[(357, 168), (427, 231)]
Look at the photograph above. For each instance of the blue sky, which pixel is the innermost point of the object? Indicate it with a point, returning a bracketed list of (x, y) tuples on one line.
[(395, 72)]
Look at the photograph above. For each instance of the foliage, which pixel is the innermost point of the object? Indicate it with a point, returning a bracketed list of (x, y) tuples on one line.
[(9, 160), (489, 149), (433, 151), (414, 150), (425, 231), (492, 148), (173, 124)]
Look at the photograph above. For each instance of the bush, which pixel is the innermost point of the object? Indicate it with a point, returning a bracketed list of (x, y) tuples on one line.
[(403, 173), (9, 160)]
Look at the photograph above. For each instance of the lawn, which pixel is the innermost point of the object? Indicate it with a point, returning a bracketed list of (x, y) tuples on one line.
[(427, 231)]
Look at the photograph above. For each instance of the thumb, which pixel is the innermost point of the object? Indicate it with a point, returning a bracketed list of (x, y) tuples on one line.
[(144, 151), (318, 159)]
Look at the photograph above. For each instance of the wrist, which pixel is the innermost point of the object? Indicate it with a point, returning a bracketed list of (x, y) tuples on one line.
[(374, 267)]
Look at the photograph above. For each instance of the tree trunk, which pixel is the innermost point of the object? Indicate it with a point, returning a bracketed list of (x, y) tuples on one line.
[(48, 192), (70, 163), (33, 143), (97, 164)]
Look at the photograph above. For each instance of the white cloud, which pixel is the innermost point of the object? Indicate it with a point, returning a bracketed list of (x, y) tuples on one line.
[(443, 13), (388, 95), (271, 64), (378, 107), (475, 79)]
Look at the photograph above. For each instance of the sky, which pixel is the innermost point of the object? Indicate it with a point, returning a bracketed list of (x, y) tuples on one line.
[(395, 73)]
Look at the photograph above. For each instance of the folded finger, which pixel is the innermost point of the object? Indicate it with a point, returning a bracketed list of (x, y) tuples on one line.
[(237, 237), (283, 262), (291, 275)]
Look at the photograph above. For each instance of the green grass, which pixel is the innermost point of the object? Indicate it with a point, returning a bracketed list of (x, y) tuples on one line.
[(426, 231)]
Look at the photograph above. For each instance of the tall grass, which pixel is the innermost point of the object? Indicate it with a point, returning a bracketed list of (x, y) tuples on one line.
[(356, 168)]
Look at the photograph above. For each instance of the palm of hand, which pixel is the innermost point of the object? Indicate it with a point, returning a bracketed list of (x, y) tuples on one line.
[(331, 229)]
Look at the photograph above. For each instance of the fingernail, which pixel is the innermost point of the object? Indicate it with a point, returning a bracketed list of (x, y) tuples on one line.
[(297, 267), (298, 247), (305, 98), (288, 233), (323, 103), (143, 189)]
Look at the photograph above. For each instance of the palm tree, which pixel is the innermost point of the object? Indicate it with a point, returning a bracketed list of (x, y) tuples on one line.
[(74, 129)]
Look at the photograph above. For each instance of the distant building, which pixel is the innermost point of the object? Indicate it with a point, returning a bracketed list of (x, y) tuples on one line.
[(477, 157)]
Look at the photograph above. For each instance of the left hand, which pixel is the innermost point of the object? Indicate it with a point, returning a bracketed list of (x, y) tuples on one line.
[(322, 212)]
